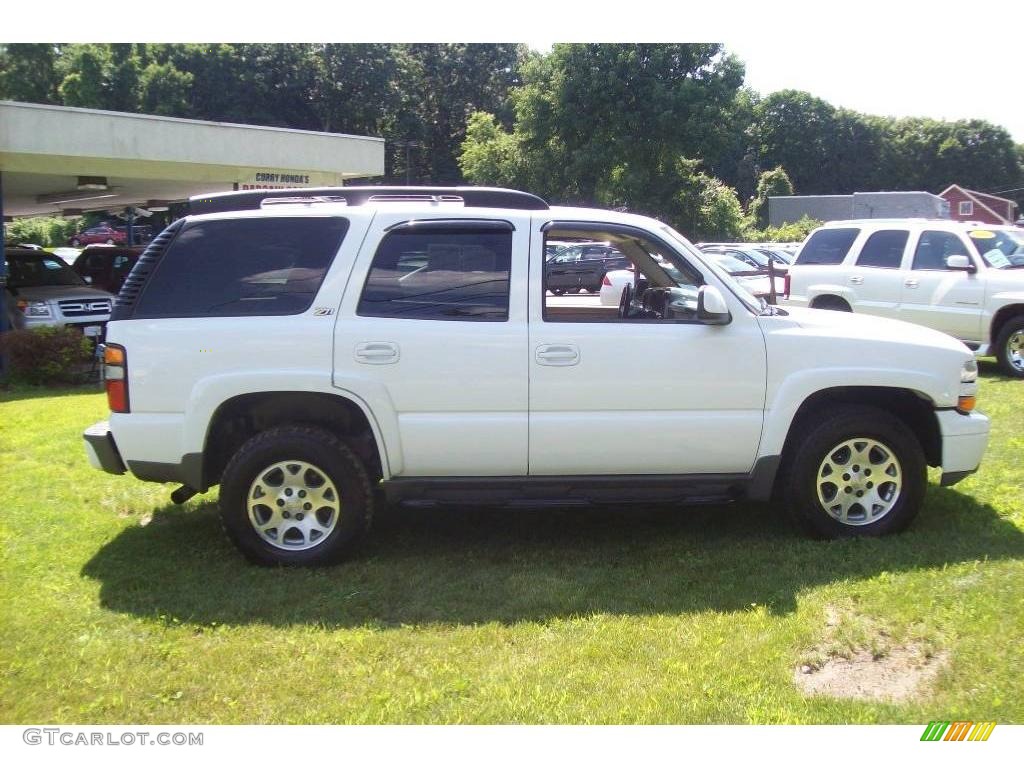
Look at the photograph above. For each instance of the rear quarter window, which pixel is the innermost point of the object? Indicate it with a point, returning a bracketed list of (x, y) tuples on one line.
[(827, 246), (240, 267)]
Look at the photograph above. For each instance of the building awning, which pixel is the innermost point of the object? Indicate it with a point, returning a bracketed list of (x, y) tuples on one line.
[(67, 160)]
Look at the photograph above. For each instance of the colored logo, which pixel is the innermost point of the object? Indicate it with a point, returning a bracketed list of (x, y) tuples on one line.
[(958, 730)]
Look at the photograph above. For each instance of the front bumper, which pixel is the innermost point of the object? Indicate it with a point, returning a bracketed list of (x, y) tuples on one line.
[(102, 450), (964, 439)]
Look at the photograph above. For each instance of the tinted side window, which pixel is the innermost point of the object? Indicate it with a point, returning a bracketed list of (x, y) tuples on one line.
[(464, 276), (271, 266), (884, 249), (933, 248), (828, 246)]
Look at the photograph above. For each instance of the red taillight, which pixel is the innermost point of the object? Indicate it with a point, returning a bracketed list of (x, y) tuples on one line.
[(785, 286), (115, 373), (606, 281)]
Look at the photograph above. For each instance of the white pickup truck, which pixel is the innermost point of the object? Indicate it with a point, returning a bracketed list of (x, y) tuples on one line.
[(317, 352), (965, 279)]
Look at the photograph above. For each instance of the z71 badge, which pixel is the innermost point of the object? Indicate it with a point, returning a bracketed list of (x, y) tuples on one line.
[(321, 311)]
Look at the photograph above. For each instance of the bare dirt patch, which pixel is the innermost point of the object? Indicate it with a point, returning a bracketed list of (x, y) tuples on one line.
[(901, 674)]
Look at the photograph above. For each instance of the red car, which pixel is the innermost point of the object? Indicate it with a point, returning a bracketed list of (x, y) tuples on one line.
[(101, 233)]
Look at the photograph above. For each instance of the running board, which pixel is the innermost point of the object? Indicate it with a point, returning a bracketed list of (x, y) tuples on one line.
[(576, 490)]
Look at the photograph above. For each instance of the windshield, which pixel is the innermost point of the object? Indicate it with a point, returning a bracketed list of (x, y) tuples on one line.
[(757, 256), (741, 293), (999, 248), (39, 270), (731, 265)]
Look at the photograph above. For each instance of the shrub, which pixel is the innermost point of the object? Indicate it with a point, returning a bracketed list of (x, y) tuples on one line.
[(47, 231), (794, 232), (46, 355)]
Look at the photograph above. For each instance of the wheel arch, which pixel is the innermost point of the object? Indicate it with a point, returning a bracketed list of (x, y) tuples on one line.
[(830, 298), (913, 408), (1002, 317), (242, 416)]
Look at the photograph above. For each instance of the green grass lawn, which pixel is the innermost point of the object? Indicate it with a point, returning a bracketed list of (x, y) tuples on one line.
[(116, 606)]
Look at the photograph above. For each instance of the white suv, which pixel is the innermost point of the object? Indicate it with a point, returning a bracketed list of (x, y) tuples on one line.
[(317, 352), (965, 279)]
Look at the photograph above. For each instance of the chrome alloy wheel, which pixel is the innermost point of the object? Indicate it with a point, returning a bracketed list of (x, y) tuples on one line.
[(859, 481), (293, 505), (1015, 350)]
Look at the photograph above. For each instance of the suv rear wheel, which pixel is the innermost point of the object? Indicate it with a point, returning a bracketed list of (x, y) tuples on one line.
[(857, 472), (295, 496), (1010, 347)]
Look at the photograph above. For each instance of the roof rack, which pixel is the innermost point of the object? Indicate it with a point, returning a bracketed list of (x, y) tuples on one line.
[(470, 197)]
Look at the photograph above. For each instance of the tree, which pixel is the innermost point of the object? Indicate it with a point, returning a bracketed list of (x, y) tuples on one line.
[(796, 131), (616, 125), (27, 72), (773, 183), (83, 70), (441, 86), (164, 90), (721, 215)]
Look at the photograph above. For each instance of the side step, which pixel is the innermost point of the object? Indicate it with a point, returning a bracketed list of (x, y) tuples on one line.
[(579, 490)]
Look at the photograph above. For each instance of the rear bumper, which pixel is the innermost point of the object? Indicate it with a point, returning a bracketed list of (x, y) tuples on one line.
[(102, 450), (964, 439)]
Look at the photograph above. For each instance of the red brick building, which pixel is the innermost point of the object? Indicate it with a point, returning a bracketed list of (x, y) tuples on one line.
[(968, 205)]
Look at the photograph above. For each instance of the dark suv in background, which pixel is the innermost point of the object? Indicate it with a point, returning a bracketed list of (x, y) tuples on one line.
[(106, 267), (582, 267)]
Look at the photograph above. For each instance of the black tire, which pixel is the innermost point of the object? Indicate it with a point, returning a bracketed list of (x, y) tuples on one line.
[(1004, 353), (558, 291), (834, 303), (816, 439), (327, 454), (575, 290)]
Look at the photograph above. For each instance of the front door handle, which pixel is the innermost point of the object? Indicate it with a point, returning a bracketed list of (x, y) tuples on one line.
[(557, 354), (857, 280), (911, 283), (376, 352)]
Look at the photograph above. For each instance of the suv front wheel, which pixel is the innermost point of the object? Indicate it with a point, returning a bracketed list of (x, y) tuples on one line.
[(857, 472), (295, 495)]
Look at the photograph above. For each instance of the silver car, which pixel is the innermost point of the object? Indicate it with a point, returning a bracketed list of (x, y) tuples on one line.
[(47, 291)]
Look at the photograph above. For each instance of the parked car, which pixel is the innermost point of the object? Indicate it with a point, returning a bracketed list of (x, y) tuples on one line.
[(283, 352), (48, 292), (612, 285), (582, 267), (101, 233), (753, 279), (106, 267), (961, 278)]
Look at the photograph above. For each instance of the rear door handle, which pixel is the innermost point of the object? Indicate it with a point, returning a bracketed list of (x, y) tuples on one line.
[(911, 283), (557, 354), (376, 352)]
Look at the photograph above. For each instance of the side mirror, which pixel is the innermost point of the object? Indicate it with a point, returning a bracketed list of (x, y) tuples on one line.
[(960, 263), (711, 306)]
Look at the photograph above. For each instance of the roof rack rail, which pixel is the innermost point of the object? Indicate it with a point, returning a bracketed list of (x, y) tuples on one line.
[(471, 197)]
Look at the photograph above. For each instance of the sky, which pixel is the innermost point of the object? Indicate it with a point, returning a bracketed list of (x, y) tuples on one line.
[(946, 59), (903, 79), (935, 58)]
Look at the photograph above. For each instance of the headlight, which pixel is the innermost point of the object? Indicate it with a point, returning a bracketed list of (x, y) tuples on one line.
[(35, 309), (968, 386), (969, 373)]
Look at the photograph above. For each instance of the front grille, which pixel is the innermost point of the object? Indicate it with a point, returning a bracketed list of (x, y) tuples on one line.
[(83, 307), (124, 304)]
